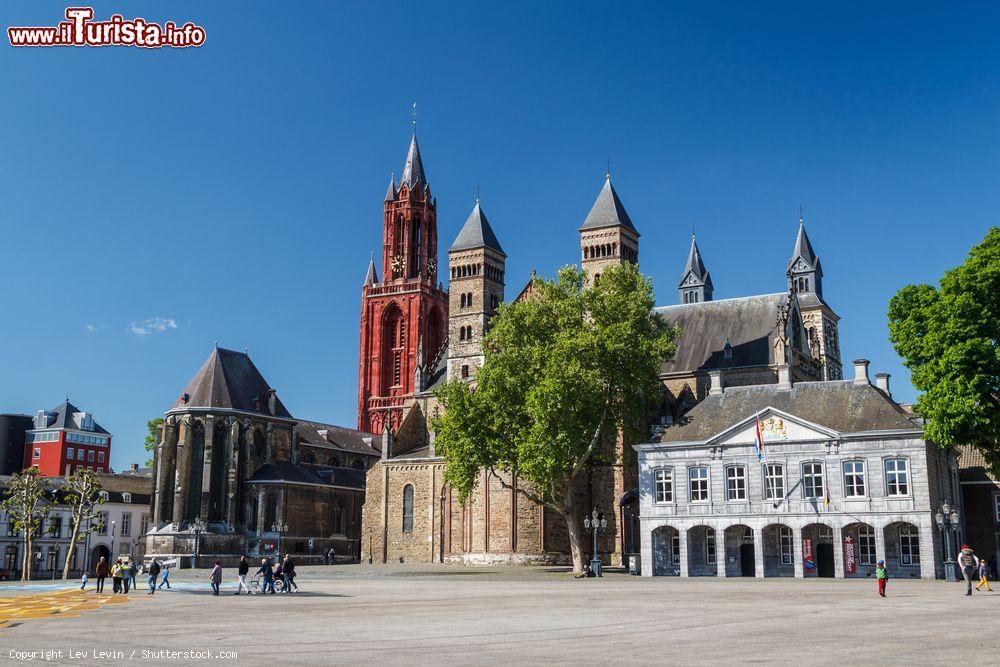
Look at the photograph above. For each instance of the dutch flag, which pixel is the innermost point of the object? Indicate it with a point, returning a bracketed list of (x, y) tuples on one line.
[(758, 439)]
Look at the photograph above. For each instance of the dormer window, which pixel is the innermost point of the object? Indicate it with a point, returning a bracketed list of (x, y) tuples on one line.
[(104, 496), (727, 351), (127, 497)]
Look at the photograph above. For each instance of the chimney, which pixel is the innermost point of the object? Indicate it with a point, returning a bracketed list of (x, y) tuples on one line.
[(861, 371), (716, 388), (784, 377), (882, 382), (387, 439), (135, 467)]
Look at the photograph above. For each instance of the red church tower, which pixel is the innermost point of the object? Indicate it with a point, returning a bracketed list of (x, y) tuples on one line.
[(404, 318)]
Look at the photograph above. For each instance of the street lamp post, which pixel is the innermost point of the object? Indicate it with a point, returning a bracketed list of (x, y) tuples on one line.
[(199, 526), (112, 557), (947, 521), (281, 528), (595, 524)]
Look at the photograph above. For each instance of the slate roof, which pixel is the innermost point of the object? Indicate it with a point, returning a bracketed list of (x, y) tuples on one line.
[(229, 379), (747, 323), (346, 439), (371, 276), (413, 171), (307, 473), (608, 211), (695, 265), (390, 194), (803, 248), (61, 416), (476, 233), (415, 453), (440, 373), (840, 405)]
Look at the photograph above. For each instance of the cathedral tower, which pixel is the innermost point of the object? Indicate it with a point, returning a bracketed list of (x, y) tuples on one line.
[(409, 308), (476, 263), (607, 236), (696, 281), (805, 280)]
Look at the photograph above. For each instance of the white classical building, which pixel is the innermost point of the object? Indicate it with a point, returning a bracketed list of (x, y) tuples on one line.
[(846, 480)]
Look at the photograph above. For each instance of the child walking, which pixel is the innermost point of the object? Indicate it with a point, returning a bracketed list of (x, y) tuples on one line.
[(883, 576), (984, 575), (83, 580)]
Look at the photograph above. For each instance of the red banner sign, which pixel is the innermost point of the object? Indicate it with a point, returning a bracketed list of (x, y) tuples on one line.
[(807, 553), (850, 556)]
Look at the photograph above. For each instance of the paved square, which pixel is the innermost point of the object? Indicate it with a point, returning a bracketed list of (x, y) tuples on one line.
[(453, 615)]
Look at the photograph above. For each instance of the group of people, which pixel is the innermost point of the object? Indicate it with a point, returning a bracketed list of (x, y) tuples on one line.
[(269, 574), (971, 565), (123, 573)]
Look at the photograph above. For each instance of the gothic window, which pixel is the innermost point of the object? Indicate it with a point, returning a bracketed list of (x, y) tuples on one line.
[(308, 458), (408, 508), (358, 464), (337, 518), (334, 461), (393, 343)]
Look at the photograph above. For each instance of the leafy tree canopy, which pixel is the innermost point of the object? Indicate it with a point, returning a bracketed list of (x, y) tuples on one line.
[(949, 338), (151, 436), (563, 368)]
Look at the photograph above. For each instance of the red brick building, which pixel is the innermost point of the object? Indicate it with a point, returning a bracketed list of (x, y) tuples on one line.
[(405, 316), (65, 439)]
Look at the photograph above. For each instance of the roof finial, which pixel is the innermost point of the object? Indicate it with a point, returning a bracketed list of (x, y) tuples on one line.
[(246, 351), (216, 345), (414, 118), (692, 230), (607, 172), (477, 193), (802, 210)]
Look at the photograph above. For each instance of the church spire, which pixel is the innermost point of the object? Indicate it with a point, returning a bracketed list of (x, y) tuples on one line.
[(371, 277), (413, 171), (805, 272), (390, 194), (696, 282)]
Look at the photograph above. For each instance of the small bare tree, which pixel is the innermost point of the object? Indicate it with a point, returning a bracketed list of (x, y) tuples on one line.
[(26, 509), (82, 493)]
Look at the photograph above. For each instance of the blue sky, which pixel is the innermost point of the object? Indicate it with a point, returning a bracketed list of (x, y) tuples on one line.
[(233, 193)]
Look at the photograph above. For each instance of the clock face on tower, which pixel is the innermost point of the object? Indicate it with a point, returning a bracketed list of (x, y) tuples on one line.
[(398, 264), (432, 266)]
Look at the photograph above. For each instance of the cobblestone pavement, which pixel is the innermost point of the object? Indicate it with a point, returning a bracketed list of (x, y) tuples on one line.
[(453, 615)]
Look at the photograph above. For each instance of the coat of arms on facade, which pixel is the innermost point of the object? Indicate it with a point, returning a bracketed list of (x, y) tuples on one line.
[(773, 428)]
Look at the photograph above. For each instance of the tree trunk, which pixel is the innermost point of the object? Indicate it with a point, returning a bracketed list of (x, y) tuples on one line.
[(72, 547), (28, 557), (576, 546)]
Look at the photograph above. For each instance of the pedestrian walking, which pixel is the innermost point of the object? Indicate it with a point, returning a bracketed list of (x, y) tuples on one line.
[(130, 572), (166, 578), (116, 576), (216, 577), (968, 562), (83, 580), (288, 572), (984, 574), (241, 582), (267, 574), (154, 572), (102, 571), (882, 575)]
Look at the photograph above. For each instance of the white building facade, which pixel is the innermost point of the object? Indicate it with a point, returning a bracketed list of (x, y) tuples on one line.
[(846, 479)]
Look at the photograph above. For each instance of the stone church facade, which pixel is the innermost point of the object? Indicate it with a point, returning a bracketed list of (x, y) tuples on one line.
[(235, 473), (410, 513)]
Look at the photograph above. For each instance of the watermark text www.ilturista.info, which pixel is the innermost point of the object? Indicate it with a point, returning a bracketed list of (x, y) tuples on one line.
[(81, 30)]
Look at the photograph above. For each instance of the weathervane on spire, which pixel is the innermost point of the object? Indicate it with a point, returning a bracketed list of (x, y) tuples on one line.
[(477, 193), (607, 171), (692, 229), (802, 210), (414, 118)]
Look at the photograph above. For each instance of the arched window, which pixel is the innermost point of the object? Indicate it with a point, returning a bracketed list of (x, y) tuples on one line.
[(308, 458), (358, 464), (393, 342), (337, 518), (462, 301), (334, 461), (408, 508)]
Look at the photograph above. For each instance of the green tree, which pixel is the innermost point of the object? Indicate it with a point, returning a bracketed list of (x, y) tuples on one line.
[(565, 371), (26, 509), (949, 338), (151, 437), (81, 493)]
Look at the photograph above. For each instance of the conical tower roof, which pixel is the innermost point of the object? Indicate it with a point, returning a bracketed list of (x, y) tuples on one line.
[(608, 211), (476, 233), (695, 265), (390, 194), (413, 171), (804, 250), (371, 276), (229, 380)]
